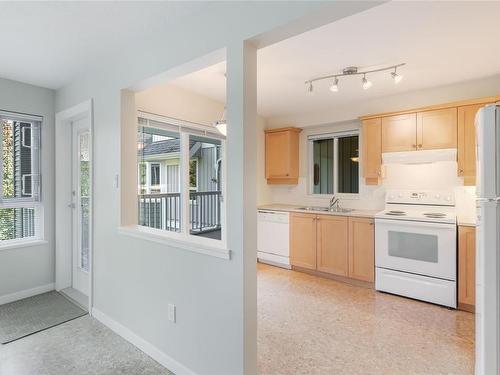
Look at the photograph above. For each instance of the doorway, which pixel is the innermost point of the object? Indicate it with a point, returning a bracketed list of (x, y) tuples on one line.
[(74, 204)]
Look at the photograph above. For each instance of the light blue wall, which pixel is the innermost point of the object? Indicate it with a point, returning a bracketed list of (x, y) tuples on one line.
[(25, 268)]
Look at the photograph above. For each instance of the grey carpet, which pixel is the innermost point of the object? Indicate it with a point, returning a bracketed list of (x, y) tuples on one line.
[(30, 315)]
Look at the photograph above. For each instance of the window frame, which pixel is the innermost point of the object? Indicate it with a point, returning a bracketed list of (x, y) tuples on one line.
[(310, 160), (185, 129), (35, 201)]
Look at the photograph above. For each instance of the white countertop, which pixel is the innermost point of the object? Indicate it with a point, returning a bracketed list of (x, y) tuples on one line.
[(295, 208), (357, 213), (465, 223)]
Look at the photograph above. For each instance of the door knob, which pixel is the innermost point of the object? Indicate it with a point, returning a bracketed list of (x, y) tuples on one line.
[(71, 205)]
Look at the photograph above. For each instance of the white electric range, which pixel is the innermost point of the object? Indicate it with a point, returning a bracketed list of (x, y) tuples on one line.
[(415, 246)]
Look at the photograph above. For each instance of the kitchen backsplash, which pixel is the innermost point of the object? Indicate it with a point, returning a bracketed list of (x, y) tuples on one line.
[(438, 175)]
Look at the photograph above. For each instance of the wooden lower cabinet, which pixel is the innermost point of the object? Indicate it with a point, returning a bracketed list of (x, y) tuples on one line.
[(335, 245), (303, 240), (331, 245), (466, 268), (361, 249)]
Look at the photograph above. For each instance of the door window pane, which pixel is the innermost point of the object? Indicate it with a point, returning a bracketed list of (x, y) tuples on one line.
[(205, 201), (348, 163), (159, 198), (323, 166), (423, 247), (84, 187)]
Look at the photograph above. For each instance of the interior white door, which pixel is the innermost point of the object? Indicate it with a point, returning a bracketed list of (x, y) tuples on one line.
[(81, 204)]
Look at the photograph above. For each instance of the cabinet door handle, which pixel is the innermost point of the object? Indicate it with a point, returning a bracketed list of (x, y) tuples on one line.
[(461, 171), (414, 146), (420, 145)]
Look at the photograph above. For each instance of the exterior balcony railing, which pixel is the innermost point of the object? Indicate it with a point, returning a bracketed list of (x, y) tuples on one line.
[(163, 211)]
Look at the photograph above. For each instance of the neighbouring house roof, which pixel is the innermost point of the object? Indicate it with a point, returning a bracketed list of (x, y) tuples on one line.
[(163, 147)]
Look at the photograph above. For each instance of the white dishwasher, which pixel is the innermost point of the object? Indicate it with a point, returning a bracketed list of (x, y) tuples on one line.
[(273, 241)]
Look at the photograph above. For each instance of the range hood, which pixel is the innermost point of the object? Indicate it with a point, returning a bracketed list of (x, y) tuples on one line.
[(419, 157)]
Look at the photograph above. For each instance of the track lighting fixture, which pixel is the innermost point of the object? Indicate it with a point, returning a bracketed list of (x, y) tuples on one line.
[(353, 71)]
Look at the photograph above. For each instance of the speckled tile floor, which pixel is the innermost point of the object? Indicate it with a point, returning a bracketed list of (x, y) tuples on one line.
[(80, 347), (309, 325)]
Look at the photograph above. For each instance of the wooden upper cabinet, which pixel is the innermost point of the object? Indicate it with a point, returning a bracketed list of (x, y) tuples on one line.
[(282, 155), (437, 129), (332, 239), (361, 249), (399, 133), (466, 267), (466, 155), (372, 150), (303, 240)]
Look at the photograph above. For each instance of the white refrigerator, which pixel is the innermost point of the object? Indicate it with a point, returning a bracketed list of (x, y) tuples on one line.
[(488, 241)]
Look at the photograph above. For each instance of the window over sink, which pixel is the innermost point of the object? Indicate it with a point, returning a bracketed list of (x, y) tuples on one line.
[(334, 163)]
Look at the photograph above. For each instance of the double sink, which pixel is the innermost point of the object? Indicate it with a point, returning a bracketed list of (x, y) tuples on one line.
[(325, 209)]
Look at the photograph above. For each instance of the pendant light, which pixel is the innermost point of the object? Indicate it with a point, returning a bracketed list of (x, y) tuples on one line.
[(221, 125)]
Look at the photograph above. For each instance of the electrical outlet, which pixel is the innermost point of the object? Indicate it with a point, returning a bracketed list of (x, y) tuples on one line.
[(171, 312)]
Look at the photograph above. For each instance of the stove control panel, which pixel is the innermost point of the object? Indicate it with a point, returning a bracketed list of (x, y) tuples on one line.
[(430, 197)]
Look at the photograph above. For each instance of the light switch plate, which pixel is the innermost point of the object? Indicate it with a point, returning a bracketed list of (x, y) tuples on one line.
[(171, 312)]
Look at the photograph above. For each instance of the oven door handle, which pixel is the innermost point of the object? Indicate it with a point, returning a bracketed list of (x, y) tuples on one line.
[(420, 224)]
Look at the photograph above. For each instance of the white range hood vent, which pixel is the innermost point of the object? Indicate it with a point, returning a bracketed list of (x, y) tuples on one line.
[(419, 157)]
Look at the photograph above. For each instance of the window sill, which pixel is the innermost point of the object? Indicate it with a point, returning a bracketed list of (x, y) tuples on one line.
[(153, 235), (22, 243)]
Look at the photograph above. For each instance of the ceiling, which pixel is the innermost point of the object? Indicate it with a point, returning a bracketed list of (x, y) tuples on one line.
[(50, 43), (441, 43)]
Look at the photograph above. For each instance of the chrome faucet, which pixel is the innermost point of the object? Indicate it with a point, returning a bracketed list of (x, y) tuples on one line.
[(334, 203)]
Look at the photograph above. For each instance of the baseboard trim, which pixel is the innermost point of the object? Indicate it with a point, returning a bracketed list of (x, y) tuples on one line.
[(143, 345), (12, 297)]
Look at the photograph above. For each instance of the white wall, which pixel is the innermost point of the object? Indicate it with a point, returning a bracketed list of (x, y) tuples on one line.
[(172, 101), (26, 268), (136, 279)]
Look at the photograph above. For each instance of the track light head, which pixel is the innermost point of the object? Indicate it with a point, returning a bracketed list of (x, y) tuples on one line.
[(366, 84), (335, 86), (396, 77), (310, 89)]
